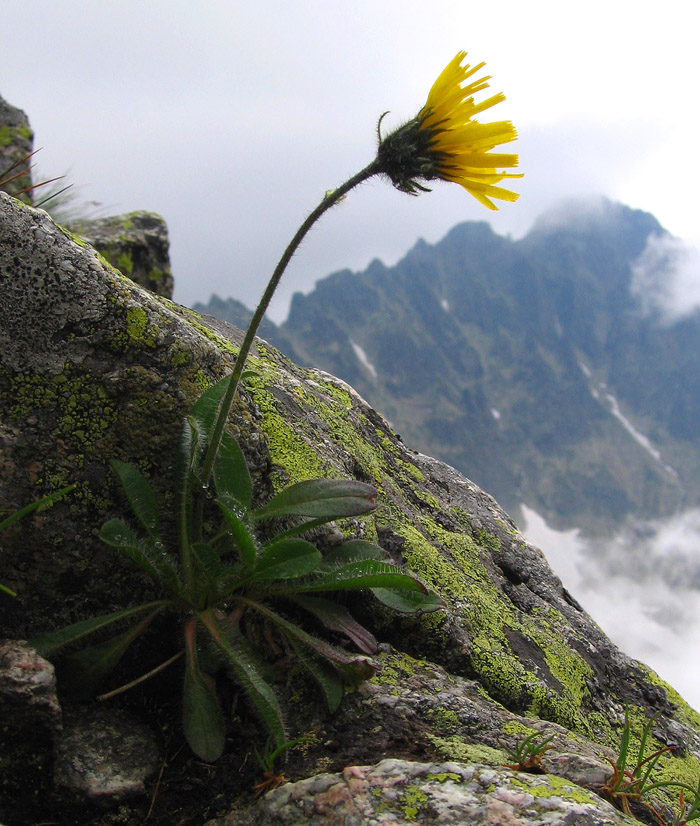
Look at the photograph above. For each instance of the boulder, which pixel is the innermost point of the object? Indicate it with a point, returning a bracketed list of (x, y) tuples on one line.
[(93, 367), (402, 793), (16, 142), (136, 244)]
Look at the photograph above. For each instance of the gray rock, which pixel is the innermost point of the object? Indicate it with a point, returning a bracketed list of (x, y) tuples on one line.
[(16, 142), (399, 793), (28, 682), (105, 755), (30, 723), (136, 244)]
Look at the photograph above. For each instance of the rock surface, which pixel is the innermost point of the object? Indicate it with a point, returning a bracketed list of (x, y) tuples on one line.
[(92, 367), (105, 755), (136, 244), (400, 793), (16, 142)]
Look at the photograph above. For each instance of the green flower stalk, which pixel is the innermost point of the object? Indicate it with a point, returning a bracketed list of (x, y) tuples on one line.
[(443, 142)]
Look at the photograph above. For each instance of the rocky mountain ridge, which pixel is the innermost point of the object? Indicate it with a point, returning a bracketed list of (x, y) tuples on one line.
[(533, 366)]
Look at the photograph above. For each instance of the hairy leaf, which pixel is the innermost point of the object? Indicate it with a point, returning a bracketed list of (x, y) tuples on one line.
[(140, 494), (321, 498), (235, 517), (367, 573), (336, 617), (149, 554), (408, 602), (287, 559), (202, 718), (231, 475), (352, 551), (206, 407), (248, 675), (49, 644), (325, 675), (319, 646), (87, 668)]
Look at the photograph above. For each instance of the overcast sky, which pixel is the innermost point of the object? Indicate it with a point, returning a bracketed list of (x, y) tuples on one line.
[(231, 119)]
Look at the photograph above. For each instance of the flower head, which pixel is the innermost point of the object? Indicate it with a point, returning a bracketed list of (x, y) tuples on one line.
[(444, 141)]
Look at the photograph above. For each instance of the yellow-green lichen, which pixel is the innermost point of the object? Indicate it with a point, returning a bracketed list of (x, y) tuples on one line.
[(444, 720), (413, 799), (455, 748), (138, 329), (85, 413), (344, 433), (551, 785), (396, 670), (125, 263), (288, 451), (411, 469), (517, 728)]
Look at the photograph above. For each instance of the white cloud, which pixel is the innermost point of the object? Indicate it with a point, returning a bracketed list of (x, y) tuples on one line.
[(642, 587), (666, 279)]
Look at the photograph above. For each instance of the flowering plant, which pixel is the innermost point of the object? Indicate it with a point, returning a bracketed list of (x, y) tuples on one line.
[(224, 581)]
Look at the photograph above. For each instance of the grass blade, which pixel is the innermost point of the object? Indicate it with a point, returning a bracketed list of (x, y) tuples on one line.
[(45, 500)]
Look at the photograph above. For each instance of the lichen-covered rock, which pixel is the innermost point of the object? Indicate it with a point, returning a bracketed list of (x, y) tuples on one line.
[(400, 793), (92, 367), (16, 142), (137, 245)]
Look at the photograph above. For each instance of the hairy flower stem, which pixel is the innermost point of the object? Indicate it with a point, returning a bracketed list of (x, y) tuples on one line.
[(331, 199)]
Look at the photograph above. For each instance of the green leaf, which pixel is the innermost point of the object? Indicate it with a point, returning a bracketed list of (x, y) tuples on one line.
[(236, 517), (87, 668), (231, 475), (149, 555), (140, 494), (202, 718), (408, 602), (49, 644), (351, 551), (321, 498), (207, 559), (318, 646), (248, 674), (117, 534), (336, 617), (45, 500), (367, 573), (287, 559), (206, 571), (206, 407), (325, 675)]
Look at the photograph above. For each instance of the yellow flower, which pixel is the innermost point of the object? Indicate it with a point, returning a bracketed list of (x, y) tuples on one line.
[(445, 142)]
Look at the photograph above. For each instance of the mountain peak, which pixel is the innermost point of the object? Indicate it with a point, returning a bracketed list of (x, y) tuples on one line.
[(593, 214)]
